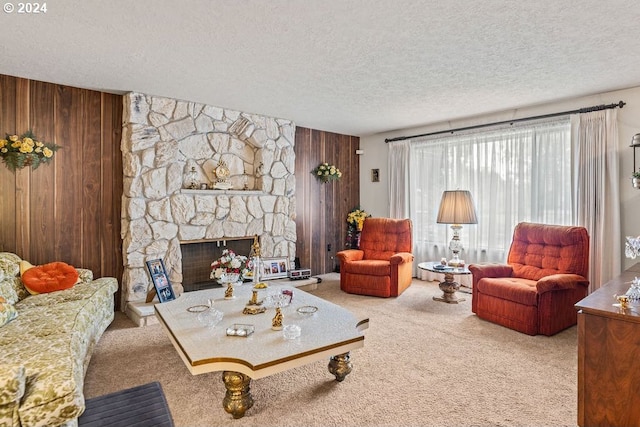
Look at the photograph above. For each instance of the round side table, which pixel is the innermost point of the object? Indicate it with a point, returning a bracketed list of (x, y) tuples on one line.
[(449, 286)]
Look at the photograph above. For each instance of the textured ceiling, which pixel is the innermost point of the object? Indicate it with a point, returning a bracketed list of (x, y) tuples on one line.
[(347, 66)]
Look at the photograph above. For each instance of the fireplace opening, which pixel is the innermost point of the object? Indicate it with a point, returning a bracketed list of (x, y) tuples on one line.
[(198, 256)]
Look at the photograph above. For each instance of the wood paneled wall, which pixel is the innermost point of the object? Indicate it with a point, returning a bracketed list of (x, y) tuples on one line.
[(68, 210), (321, 209)]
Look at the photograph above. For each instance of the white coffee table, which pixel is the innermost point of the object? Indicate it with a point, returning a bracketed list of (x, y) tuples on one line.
[(332, 332)]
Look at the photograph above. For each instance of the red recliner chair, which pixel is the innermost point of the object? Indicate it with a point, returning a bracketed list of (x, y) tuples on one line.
[(545, 276), (383, 266)]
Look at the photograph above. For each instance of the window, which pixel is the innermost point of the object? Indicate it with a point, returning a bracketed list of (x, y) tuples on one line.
[(519, 173)]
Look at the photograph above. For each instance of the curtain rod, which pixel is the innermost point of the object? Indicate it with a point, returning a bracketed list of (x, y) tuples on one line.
[(544, 116)]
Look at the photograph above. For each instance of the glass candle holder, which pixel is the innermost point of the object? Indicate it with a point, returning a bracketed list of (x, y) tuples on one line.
[(291, 332), (210, 318)]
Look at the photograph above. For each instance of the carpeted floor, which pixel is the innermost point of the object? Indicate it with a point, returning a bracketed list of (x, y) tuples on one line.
[(425, 363)]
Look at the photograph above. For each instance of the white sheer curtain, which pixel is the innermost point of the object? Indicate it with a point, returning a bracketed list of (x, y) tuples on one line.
[(399, 166), (518, 173), (597, 201)]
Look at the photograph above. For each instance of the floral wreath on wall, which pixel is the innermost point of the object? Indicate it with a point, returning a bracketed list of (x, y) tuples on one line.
[(326, 172), (25, 150)]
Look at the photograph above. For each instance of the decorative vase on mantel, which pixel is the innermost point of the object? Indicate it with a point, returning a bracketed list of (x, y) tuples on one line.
[(191, 179)]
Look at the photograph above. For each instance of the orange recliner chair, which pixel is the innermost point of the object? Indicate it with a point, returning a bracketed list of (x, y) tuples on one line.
[(383, 266), (545, 276)]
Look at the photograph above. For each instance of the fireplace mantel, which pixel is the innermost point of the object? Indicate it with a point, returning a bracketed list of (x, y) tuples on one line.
[(215, 192)]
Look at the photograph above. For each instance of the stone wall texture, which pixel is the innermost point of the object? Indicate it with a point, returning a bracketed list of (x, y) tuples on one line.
[(162, 140)]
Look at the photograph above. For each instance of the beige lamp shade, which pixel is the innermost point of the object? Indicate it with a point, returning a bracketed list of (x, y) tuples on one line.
[(457, 207)]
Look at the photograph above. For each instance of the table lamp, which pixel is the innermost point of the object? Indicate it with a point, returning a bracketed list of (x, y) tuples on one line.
[(456, 208)]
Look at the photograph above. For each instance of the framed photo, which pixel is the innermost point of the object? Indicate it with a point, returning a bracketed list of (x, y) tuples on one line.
[(160, 281), (274, 268)]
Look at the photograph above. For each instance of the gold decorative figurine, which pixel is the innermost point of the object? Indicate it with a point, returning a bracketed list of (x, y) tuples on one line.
[(254, 298), (255, 247), (255, 256), (276, 323), (228, 293), (623, 300)]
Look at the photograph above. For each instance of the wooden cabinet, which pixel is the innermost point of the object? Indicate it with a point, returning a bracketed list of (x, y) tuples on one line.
[(609, 357)]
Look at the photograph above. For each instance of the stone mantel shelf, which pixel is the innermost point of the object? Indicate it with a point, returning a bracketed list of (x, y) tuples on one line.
[(219, 192)]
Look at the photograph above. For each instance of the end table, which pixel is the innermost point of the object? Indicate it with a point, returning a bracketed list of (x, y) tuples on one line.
[(449, 286)]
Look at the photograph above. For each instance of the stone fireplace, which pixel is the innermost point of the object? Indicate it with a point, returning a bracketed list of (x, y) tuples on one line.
[(162, 140)]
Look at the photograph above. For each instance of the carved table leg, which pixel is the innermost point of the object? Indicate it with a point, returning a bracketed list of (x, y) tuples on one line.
[(238, 398), (340, 366), (449, 288)]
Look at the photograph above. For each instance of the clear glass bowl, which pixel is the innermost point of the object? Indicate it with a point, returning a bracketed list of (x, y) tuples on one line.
[(210, 318), (277, 300), (230, 277), (307, 310)]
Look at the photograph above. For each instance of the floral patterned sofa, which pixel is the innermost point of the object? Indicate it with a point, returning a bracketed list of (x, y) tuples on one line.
[(45, 349)]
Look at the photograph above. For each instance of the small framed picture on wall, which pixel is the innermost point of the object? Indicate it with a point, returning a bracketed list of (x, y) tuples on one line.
[(375, 175)]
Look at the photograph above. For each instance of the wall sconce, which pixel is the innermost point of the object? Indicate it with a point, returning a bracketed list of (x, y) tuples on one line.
[(635, 176)]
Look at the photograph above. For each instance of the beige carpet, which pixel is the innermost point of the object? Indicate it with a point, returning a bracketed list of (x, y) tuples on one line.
[(425, 363)]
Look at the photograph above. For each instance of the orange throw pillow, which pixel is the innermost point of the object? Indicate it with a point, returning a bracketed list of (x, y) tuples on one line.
[(54, 276)]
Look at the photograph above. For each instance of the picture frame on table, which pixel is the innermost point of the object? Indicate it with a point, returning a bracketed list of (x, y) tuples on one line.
[(273, 268), (161, 284)]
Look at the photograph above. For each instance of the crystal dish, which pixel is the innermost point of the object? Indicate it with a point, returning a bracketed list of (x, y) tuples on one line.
[(307, 310), (291, 332), (210, 317), (198, 308), (240, 330), (277, 300), (229, 278)]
